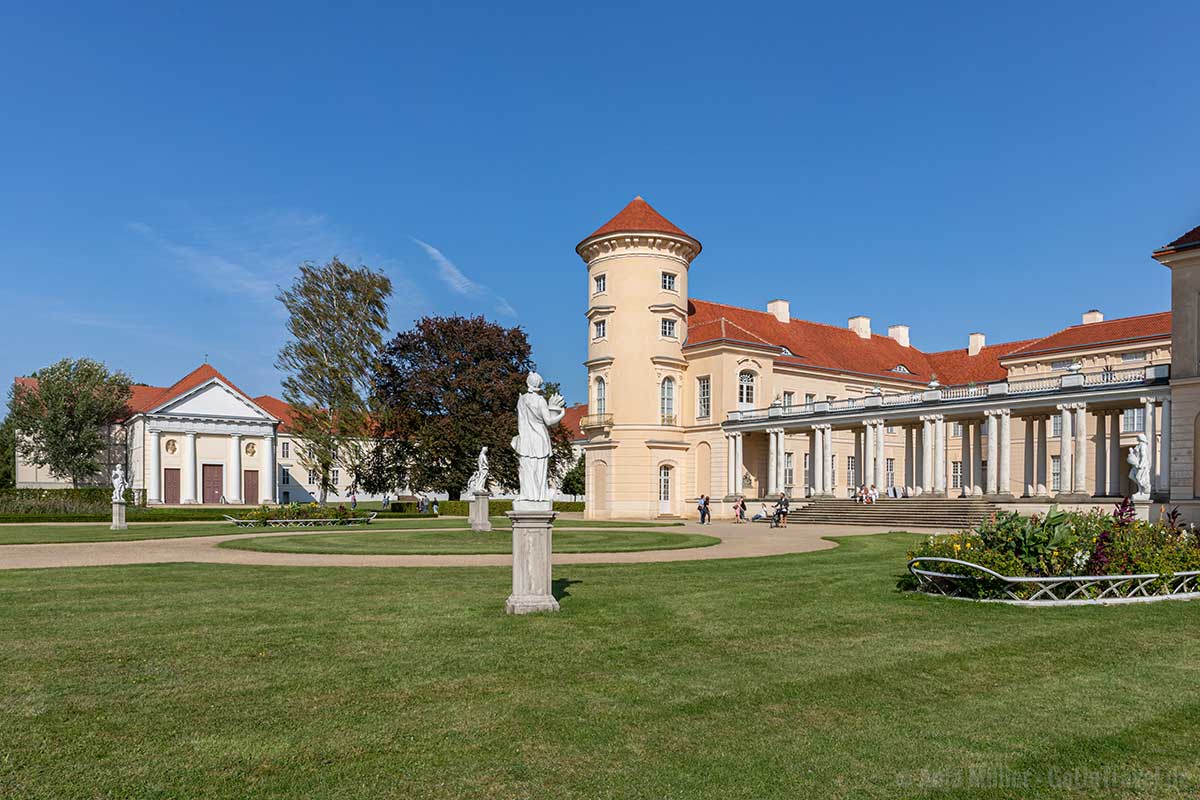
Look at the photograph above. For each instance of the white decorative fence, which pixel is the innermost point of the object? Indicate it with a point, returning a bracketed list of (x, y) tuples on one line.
[(299, 523), (1060, 590)]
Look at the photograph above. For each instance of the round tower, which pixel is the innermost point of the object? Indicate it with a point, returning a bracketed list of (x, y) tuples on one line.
[(637, 286)]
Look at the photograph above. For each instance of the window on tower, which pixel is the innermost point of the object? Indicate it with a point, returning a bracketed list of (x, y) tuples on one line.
[(601, 282), (668, 281), (601, 328), (667, 328)]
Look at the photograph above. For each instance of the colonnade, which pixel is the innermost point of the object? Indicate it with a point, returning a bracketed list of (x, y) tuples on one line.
[(925, 459), (189, 472)]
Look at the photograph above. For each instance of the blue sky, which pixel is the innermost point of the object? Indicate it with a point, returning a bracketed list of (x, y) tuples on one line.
[(954, 167)]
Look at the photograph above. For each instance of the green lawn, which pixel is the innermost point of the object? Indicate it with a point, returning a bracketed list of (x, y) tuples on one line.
[(786, 677), (47, 534), (383, 542)]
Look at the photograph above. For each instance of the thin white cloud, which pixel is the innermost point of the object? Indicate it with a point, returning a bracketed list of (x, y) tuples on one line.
[(459, 283)]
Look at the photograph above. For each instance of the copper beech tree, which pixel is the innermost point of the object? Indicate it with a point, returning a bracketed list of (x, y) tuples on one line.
[(445, 389)]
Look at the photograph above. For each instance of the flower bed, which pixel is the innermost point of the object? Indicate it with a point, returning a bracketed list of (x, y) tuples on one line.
[(1061, 557), (301, 515)]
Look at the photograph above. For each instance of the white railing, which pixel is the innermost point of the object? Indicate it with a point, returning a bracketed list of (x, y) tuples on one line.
[(1111, 376), (1035, 385), (906, 399), (849, 404), (964, 392)]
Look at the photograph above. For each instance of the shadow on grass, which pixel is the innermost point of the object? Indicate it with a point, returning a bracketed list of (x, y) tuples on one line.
[(558, 587)]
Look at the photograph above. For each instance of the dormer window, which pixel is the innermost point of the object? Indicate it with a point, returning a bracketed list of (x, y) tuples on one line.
[(903, 370), (668, 282)]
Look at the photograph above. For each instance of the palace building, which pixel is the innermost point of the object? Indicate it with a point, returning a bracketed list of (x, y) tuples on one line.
[(689, 397)]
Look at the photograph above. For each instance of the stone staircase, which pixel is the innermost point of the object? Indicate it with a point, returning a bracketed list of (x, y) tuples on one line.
[(896, 514)]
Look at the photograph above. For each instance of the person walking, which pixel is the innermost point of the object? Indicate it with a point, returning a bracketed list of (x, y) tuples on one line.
[(707, 511)]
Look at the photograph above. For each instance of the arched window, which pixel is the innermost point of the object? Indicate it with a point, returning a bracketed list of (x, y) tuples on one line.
[(601, 396), (666, 401), (746, 389)]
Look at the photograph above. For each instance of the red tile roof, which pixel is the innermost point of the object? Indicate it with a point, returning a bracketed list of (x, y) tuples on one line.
[(571, 420), (1189, 239), (638, 217), (1108, 332), (280, 409), (828, 347)]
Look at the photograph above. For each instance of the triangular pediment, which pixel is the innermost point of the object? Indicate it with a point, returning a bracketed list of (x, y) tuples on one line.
[(213, 399)]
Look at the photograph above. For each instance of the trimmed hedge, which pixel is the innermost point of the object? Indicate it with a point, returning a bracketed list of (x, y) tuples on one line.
[(101, 495), (462, 508)]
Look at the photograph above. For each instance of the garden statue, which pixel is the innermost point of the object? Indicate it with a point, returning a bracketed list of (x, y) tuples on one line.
[(119, 484), (535, 417), (1139, 459), (479, 480)]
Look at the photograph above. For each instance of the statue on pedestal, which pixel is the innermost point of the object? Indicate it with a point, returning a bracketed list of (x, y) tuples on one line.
[(535, 417), (1139, 459), (119, 484), (479, 480)]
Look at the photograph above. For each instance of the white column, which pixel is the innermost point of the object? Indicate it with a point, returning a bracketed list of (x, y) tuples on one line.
[(1080, 455), (868, 470), (977, 457), (993, 451), (781, 461), (772, 462), (266, 478), (910, 456), (1164, 461), (926, 454), (1114, 454), (1064, 447), (1004, 479), (730, 489), (1030, 469), (1151, 438), (1043, 457), (187, 482), (154, 484), (939, 454), (880, 456), (233, 480), (738, 455), (828, 462)]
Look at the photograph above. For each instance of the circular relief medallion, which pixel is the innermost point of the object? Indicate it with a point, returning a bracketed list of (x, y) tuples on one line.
[(171, 446), (250, 448)]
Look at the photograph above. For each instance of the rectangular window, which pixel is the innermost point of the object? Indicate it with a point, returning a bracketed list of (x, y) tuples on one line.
[(891, 472), (1133, 420), (601, 283), (956, 475), (601, 327), (1056, 425), (889, 428), (829, 398), (667, 328), (788, 399), (703, 397), (809, 398), (1128, 357), (957, 430), (285, 477), (312, 478), (789, 470), (334, 476), (284, 449), (851, 471), (832, 470), (808, 469), (1056, 473), (668, 281), (983, 472)]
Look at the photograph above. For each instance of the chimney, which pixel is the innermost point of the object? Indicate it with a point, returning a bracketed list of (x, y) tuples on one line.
[(975, 343), (1095, 315), (899, 333), (861, 325), (779, 308)]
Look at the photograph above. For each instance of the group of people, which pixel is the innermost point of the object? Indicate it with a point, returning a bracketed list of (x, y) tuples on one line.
[(425, 505), (867, 495), (776, 515), (705, 512)]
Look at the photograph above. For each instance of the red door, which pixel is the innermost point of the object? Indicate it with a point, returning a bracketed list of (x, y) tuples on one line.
[(212, 476), (250, 486), (171, 486)]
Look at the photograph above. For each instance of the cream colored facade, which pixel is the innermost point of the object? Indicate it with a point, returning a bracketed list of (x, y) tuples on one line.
[(1057, 420)]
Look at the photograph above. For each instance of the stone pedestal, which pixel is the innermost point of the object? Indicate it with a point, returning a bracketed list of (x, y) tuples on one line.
[(532, 531), (118, 519), (480, 521)]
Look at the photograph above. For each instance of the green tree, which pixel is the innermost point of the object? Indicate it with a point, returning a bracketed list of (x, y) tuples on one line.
[(445, 389), (573, 482), (337, 316), (64, 418), (8, 453)]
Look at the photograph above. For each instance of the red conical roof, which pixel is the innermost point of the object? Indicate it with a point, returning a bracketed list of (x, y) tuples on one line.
[(639, 217)]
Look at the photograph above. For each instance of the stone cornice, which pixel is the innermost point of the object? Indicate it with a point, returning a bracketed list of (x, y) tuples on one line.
[(617, 245), (596, 311)]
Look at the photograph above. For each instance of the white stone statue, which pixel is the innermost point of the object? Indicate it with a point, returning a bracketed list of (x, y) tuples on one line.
[(535, 417), (119, 484), (1139, 459), (479, 480)]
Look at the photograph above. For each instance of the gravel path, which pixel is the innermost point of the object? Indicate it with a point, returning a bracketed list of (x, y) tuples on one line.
[(737, 541)]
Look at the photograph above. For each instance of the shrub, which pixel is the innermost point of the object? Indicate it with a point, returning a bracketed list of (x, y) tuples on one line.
[(302, 511), (462, 508), (85, 500), (1062, 543)]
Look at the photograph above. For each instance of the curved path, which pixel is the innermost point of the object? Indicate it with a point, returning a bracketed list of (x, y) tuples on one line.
[(737, 541)]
